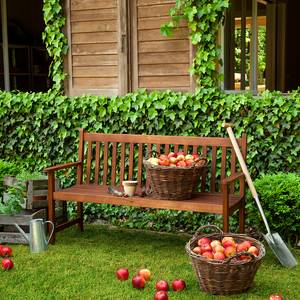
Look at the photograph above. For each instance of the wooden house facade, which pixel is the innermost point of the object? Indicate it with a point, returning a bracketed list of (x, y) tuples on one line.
[(116, 47)]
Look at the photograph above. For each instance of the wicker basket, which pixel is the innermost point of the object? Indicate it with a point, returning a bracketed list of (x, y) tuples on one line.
[(174, 182), (230, 276)]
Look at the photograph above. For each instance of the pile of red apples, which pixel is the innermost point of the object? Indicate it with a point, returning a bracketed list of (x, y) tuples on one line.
[(161, 287), (6, 253), (177, 159), (222, 249)]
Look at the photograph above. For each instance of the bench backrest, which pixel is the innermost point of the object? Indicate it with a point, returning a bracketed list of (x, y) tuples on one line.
[(112, 158)]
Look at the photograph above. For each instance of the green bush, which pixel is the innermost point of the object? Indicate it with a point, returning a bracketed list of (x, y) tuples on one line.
[(7, 169), (280, 198)]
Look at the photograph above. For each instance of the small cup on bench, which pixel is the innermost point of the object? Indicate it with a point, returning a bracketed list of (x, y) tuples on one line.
[(129, 187)]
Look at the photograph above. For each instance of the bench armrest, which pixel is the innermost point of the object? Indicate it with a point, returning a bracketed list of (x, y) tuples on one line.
[(62, 166), (232, 178)]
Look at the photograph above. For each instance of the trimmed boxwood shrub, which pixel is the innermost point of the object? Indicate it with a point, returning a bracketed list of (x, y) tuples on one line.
[(279, 195)]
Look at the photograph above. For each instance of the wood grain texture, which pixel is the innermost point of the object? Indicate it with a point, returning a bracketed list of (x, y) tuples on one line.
[(95, 83), (94, 26), (164, 81), (163, 46), (95, 60), (94, 37), (154, 10), (156, 22), (155, 35), (93, 14), (163, 69), (97, 71), (107, 48), (153, 2), (92, 4)]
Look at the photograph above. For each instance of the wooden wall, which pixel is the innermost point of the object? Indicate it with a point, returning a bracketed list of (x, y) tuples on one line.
[(116, 47), (162, 62)]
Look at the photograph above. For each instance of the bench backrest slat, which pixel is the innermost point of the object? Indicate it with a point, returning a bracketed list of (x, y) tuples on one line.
[(113, 158)]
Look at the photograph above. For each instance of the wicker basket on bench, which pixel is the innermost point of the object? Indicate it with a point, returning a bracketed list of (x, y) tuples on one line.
[(178, 183)]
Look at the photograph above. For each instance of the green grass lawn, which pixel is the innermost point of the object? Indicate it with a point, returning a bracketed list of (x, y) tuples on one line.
[(83, 265)]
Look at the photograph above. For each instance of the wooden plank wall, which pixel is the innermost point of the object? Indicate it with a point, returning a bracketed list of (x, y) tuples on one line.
[(94, 47), (162, 62)]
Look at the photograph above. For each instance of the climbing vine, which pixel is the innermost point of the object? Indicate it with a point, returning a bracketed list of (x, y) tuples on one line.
[(55, 40), (204, 18)]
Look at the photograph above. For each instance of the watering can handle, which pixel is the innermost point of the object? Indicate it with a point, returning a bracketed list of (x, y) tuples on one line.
[(51, 230)]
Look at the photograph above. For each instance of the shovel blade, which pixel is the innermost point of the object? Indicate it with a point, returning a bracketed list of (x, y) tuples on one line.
[(280, 250)]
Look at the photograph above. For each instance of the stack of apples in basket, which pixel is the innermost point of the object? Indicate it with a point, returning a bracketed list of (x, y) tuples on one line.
[(177, 159)]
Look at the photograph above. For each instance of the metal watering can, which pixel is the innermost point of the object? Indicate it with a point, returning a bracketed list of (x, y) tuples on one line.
[(36, 237)]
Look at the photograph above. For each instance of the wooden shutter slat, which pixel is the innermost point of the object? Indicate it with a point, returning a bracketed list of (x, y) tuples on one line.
[(113, 163), (97, 160), (213, 169), (140, 165), (105, 162), (88, 163), (122, 162), (203, 181), (131, 155)]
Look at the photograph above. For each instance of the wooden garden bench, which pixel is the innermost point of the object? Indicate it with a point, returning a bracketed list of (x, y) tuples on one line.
[(108, 159)]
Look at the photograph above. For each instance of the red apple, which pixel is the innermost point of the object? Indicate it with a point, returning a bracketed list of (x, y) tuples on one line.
[(203, 241), (6, 251), (180, 155), (7, 264), (219, 248), (247, 243), (215, 243), (205, 248), (230, 251), (162, 285), (226, 238), (161, 295), (228, 243), (173, 160), (138, 282), (197, 250), (253, 250), (195, 155), (181, 163), (208, 254), (189, 162), (145, 273), (189, 157), (172, 165), (122, 274), (163, 157), (172, 154), (164, 162), (276, 297), (241, 247), (178, 285), (219, 256)]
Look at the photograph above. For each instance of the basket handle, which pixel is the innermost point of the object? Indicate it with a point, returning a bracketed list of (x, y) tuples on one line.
[(252, 256), (213, 227)]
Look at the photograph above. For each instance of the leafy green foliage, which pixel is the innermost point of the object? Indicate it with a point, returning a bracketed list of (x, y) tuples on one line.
[(55, 41), (40, 129), (204, 18), (15, 199), (280, 198), (7, 169)]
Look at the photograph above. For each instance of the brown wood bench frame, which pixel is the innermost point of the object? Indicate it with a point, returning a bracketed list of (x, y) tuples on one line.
[(224, 202)]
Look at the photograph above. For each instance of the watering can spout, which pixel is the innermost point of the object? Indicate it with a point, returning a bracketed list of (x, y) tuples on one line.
[(23, 233)]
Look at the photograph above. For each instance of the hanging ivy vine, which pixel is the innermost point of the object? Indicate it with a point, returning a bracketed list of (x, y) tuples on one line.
[(204, 18), (55, 40)]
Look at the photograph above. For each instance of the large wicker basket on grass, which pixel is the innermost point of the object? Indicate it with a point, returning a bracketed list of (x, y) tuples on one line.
[(174, 182), (229, 276)]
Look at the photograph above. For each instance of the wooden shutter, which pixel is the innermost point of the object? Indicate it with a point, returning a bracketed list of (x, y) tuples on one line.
[(97, 60), (158, 62)]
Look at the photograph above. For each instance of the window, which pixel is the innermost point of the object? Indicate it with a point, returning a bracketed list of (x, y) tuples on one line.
[(259, 46)]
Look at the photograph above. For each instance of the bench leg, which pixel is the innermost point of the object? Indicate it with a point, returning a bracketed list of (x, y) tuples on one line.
[(242, 217), (80, 215)]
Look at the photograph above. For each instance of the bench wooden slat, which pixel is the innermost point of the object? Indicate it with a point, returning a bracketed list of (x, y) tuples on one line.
[(88, 162), (158, 149), (157, 139), (97, 163), (80, 156), (122, 163), (176, 147), (149, 154), (204, 202), (203, 180), (213, 169), (232, 168), (195, 149), (105, 162), (167, 148), (113, 163), (223, 163), (140, 165), (131, 156), (185, 149)]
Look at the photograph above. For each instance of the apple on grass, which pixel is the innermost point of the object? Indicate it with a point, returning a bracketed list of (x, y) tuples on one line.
[(162, 285), (5, 251), (7, 264), (122, 274), (145, 273), (138, 282), (276, 297), (161, 295), (178, 285)]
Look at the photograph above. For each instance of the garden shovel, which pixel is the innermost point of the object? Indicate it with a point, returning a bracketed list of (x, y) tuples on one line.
[(274, 240)]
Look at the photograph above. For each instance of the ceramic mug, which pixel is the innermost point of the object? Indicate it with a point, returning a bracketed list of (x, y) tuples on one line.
[(129, 187)]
